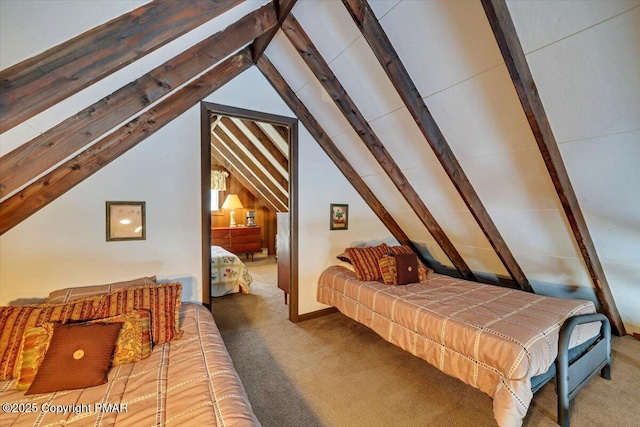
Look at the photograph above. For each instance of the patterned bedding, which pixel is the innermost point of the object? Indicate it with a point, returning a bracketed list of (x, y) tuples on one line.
[(228, 273), (190, 380), (493, 338)]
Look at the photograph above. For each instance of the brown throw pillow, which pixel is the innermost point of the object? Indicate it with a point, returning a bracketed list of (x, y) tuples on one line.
[(344, 257), (79, 356), (407, 268), (365, 261), (423, 270)]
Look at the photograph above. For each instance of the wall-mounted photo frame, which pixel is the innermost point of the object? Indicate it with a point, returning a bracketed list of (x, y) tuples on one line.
[(126, 221), (339, 217)]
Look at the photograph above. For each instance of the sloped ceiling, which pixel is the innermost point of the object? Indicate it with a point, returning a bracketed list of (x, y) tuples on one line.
[(456, 67)]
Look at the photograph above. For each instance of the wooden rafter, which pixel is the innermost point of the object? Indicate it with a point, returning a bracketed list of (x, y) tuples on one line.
[(502, 25), (372, 31), (221, 146), (250, 169), (259, 157), (260, 43), (33, 158), (251, 188), (311, 124), (303, 44), (46, 189), (40, 82), (283, 131), (267, 143)]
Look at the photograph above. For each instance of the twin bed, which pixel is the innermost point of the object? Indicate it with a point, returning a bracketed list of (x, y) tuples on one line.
[(228, 273), (501, 341)]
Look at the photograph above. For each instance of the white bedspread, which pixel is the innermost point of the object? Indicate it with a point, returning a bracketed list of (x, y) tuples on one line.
[(228, 273)]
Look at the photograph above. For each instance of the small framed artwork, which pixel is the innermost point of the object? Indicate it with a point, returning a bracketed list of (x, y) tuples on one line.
[(339, 217), (126, 221)]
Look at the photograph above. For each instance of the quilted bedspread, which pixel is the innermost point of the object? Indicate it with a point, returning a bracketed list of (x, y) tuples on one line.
[(228, 273), (493, 338), (188, 381)]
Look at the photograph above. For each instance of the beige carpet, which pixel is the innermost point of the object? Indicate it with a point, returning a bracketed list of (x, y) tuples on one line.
[(334, 372)]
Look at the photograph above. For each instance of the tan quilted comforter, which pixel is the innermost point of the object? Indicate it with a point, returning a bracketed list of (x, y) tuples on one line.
[(188, 381), (490, 337)]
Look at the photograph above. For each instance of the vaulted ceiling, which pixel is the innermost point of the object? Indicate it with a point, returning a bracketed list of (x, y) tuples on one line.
[(275, 40)]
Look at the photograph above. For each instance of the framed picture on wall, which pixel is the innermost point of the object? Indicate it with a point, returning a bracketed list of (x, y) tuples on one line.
[(339, 217), (126, 221)]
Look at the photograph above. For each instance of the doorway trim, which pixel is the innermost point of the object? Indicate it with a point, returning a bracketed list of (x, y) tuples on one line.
[(207, 109)]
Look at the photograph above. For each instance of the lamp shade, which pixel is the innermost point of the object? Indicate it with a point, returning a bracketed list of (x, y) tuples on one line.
[(232, 202)]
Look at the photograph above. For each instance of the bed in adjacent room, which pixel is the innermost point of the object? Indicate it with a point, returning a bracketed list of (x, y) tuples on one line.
[(228, 273)]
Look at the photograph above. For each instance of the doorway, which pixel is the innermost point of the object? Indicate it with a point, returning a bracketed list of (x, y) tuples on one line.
[(227, 134)]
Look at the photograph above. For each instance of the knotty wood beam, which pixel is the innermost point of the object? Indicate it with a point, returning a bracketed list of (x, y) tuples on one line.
[(372, 31), (251, 166), (505, 32), (220, 142), (326, 143), (37, 83), (46, 189), (256, 153), (33, 158), (260, 44), (267, 143), (241, 179), (303, 44), (283, 131)]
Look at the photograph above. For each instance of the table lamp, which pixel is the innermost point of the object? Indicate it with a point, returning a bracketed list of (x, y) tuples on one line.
[(232, 202)]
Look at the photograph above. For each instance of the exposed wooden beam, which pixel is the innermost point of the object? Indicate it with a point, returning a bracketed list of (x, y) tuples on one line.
[(303, 44), (37, 83), (243, 170), (241, 179), (283, 131), (33, 158), (256, 153), (250, 169), (260, 44), (326, 143), (46, 189), (267, 143), (372, 31), (505, 32)]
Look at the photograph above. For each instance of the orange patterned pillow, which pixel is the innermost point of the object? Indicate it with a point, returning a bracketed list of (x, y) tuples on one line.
[(34, 346), (423, 270), (365, 261), (16, 320), (163, 301), (70, 294)]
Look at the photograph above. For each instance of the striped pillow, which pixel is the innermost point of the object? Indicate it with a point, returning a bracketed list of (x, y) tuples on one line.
[(16, 320), (70, 294), (163, 301), (423, 270), (365, 261)]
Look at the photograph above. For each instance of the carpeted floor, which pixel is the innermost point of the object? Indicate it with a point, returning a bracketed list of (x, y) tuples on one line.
[(334, 372)]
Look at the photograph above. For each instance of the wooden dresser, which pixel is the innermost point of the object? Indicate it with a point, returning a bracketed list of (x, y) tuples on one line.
[(238, 240)]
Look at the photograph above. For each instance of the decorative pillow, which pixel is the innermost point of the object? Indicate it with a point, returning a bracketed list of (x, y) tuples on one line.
[(344, 256), (134, 340), (388, 270), (162, 300), (16, 320), (34, 346), (78, 357), (70, 294), (365, 261), (423, 270), (407, 268)]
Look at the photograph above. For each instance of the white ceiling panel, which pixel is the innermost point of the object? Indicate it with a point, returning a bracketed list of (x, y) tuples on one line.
[(328, 24), (386, 192), (461, 228), (365, 81), (543, 232), (288, 62), (431, 250), (616, 235), (357, 153), (441, 43), (606, 60), (435, 188), (623, 280), (320, 104), (483, 261), (540, 23), (553, 272), (15, 137), (382, 7), (515, 180), (482, 116)]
